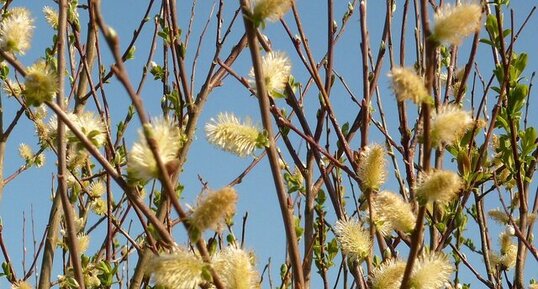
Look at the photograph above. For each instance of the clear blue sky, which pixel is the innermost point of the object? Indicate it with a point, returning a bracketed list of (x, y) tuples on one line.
[(29, 193)]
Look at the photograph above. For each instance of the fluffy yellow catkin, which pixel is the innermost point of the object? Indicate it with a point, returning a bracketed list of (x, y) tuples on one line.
[(388, 275), (182, 269), (431, 271), (141, 164), (91, 126), (89, 123), (508, 253), (372, 167), (276, 68), (271, 10), (12, 87), (499, 216), (41, 83), (393, 213), (99, 206), (230, 134), (25, 152), (453, 23), (406, 84), (21, 285), (353, 238), (449, 124), (213, 208), (236, 270), (16, 30), (51, 16), (97, 189), (438, 186), (83, 243)]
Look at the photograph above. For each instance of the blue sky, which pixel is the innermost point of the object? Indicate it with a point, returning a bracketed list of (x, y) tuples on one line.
[(29, 193)]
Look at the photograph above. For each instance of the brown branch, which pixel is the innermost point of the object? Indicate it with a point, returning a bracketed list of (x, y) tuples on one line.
[(272, 154), (69, 215)]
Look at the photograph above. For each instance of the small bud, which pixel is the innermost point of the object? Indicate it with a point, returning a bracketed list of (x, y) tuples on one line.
[(499, 216), (111, 33), (509, 230)]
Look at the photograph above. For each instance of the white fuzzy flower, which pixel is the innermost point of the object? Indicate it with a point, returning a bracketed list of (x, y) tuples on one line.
[(230, 134), (372, 167), (141, 164), (353, 239), (449, 124), (26, 152), (88, 123), (431, 271), (453, 23), (41, 83), (406, 84), (51, 16), (236, 269), (91, 126), (388, 275), (16, 30), (271, 10), (276, 68), (508, 254), (213, 208), (393, 213), (182, 269), (12, 87), (96, 189), (438, 186)]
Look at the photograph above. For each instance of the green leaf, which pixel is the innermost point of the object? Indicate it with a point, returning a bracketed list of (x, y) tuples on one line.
[(131, 53), (206, 273), (4, 72), (345, 128), (516, 99), (487, 41), (528, 141), (298, 229)]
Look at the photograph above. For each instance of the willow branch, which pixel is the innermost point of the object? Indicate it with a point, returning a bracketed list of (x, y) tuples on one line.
[(272, 153)]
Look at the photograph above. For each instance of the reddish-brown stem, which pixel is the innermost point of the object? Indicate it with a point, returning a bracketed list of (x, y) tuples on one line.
[(272, 154)]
